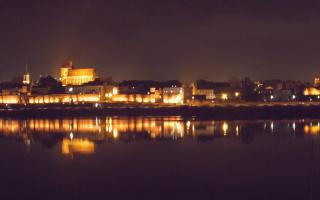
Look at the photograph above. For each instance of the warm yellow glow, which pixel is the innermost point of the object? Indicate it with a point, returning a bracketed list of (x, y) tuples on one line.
[(138, 98), (225, 128), (115, 133), (9, 99), (115, 91), (224, 96), (173, 98), (81, 146), (26, 79), (64, 98), (236, 94), (119, 98), (110, 127), (188, 124), (237, 130), (72, 76), (153, 90), (311, 91), (311, 129)]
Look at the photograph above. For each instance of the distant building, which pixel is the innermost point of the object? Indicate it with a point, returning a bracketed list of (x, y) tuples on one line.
[(203, 90), (13, 92), (275, 84), (311, 91), (149, 92), (173, 95), (26, 78), (223, 91), (132, 91), (207, 90), (63, 98), (10, 99), (69, 75)]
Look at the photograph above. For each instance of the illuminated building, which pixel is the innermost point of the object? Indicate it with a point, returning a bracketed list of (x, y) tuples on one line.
[(206, 90), (95, 87), (64, 98), (311, 91), (26, 78), (110, 91), (170, 95), (173, 95), (134, 98), (203, 90), (69, 75), (9, 99), (150, 92)]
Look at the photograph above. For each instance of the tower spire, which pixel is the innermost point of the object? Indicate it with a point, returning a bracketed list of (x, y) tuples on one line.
[(26, 76)]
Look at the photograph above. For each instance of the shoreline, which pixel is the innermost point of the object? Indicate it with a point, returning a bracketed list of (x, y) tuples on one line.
[(250, 111)]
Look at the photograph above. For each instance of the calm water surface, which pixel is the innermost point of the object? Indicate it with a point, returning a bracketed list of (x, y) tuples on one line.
[(159, 158)]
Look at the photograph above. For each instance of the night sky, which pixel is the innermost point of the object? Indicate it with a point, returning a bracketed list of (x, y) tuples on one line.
[(163, 39)]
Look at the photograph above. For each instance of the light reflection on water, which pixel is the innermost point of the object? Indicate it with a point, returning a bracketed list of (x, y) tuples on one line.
[(80, 135), (159, 158)]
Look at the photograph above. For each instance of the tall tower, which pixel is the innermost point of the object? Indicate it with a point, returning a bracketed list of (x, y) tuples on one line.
[(26, 77)]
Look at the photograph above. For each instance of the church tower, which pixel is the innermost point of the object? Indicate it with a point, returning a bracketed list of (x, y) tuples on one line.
[(26, 77)]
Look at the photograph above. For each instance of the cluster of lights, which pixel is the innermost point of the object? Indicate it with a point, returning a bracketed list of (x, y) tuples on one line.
[(224, 96)]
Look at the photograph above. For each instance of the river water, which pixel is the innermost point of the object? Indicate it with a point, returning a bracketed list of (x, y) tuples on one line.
[(159, 158)]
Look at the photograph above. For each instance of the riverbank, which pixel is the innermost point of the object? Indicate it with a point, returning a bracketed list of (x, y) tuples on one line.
[(226, 111)]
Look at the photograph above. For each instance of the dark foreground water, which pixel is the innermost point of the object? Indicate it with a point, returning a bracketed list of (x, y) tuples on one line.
[(159, 158)]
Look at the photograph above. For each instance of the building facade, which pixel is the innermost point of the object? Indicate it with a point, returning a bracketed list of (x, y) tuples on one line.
[(203, 90), (173, 95), (69, 75)]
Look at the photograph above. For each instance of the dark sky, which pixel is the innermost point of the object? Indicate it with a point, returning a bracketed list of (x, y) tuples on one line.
[(163, 39)]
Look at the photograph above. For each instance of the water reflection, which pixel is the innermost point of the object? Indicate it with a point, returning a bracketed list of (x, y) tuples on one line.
[(80, 135), (71, 146)]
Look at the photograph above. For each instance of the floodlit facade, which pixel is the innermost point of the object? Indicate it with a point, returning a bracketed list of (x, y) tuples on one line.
[(9, 99), (311, 91), (207, 93), (26, 79), (169, 95), (110, 91), (203, 89), (69, 75), (173, 95), (134, 98), (64, 98)]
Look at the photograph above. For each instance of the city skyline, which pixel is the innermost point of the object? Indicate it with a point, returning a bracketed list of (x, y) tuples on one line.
[(56, 75), (159, 99), (163, 40)]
